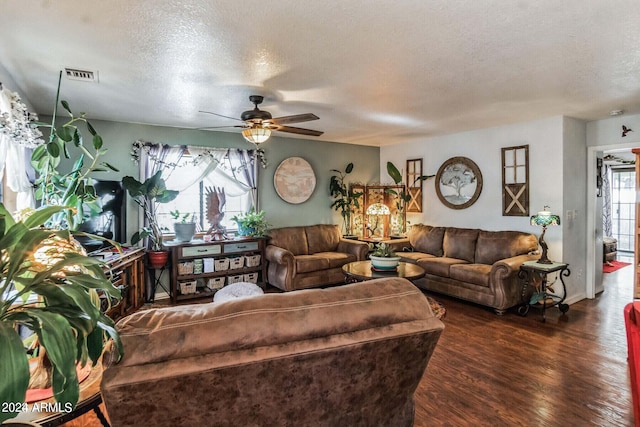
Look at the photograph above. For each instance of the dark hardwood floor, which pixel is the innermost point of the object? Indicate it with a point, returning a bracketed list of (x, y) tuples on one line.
[(490, 370), (517, 371)]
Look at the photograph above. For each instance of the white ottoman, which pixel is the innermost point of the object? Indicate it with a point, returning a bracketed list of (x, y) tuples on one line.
[(237, 290)]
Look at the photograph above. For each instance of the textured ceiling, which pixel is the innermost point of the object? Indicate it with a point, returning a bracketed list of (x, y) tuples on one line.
[(375, 72)]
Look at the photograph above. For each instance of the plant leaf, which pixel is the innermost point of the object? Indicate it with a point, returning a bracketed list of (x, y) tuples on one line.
[(53, 149), (15, 367), (97, 142), (349, 168), (91, 129), (65, 105), (394, 173)]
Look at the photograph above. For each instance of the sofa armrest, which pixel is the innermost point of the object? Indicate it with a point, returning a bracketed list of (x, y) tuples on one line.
[(279, 255), (354, 247), (399, 245)]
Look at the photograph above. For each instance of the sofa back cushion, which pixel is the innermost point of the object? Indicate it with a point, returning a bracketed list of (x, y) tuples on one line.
[(293, 239), (493, 246), (460, 243), (323, 238), (426, 239)]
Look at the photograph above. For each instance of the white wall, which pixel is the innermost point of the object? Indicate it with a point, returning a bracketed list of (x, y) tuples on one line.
[(550, 163)]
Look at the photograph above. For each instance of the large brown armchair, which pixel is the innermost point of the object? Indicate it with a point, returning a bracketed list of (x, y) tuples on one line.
[(309, 256), (349, 355)]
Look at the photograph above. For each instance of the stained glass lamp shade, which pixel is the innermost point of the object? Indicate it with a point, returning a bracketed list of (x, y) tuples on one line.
[(544, 219)]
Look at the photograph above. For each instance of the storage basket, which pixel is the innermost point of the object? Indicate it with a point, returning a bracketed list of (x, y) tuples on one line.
[(235, 279), (236, 262), (252, 260), (215, 283), (251, 277), (189, 287), (185, 267), (221, 264)]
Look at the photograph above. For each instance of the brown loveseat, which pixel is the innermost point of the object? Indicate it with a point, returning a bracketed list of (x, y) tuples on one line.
[(309, 256), (475, 265), (350, 355)]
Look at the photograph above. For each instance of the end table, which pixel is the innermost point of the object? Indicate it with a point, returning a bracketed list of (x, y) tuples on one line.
[(528, 272)]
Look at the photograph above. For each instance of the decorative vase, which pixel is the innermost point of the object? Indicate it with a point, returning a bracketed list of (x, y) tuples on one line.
[(246, 231), (184, 231), (384, 263), (157, 259)]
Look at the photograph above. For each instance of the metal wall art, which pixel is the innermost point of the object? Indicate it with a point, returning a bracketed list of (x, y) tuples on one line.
[(458, 183)]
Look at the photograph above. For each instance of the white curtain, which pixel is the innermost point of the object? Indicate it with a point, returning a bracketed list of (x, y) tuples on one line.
[(14, 150)]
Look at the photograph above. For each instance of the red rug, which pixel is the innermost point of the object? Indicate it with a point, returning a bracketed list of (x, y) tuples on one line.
[(613, 266)]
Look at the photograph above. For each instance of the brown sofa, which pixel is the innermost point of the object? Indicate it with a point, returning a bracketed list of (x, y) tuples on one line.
[(309, 256), (472, 264), (350, 355)]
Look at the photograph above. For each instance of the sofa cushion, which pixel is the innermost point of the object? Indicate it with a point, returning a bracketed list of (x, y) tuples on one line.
[(478, 274), (439, 266), (293, 239), (460, 243), (413, 257), (427, 239), (308, 263), (493, 246), (337, 259), (322, 237)]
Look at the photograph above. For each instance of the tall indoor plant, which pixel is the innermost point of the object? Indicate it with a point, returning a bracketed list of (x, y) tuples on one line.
[(148, 195), (345, 198), (403, 195), (48, 286)]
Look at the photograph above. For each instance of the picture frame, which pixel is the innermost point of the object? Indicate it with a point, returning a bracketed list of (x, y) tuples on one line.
[(458, 183)]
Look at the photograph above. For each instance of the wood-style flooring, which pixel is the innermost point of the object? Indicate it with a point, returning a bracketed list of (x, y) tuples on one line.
[(517, 371), (490, 370)]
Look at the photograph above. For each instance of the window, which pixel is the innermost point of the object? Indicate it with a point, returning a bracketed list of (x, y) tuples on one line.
[(194, 172)]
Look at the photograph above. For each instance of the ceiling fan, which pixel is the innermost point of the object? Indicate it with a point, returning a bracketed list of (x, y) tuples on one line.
[(258, 124)]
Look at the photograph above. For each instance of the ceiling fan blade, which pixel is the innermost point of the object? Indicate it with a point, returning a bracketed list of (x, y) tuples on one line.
[(219, 115), (299, 131), (296, 118), (215, 127)]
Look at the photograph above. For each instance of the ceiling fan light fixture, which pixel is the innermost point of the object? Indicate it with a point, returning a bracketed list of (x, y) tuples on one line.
[(256, 135)]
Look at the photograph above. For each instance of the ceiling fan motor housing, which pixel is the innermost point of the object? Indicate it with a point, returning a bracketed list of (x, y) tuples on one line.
[(256, 115)]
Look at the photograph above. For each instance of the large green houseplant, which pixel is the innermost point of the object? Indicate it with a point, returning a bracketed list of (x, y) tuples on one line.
[(403, 195), (73, 188), (55, 296), (148, 195), (251, 223), (345, 198)]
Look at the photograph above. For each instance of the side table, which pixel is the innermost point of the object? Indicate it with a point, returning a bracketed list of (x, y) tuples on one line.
[(531, 270)]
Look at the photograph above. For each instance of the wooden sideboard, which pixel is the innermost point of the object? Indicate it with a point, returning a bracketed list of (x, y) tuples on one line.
[(199, 269)]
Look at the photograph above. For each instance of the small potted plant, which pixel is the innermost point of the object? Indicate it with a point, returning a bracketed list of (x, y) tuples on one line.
[(148, 195), (345, 198), (184, 229), (384, 258), (251, 223)]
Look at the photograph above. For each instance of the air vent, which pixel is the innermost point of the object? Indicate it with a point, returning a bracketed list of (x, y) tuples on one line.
[(82, 75)]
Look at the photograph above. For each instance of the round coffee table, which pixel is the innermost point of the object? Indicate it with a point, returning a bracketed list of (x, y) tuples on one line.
[(359, 271)]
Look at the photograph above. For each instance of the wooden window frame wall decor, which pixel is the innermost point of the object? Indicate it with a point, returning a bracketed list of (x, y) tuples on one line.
[(458, 169), (414, 185), (515, 181)]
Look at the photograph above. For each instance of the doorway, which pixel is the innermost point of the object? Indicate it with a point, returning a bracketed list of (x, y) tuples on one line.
[(623, 181)]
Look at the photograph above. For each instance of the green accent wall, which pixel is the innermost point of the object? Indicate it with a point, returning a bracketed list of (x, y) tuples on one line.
[(323, 156)]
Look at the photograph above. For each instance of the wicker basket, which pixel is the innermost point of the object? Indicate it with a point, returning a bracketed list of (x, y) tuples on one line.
[(235, 279), (187, 288), (221, 264), (236, 262), (185, 267), (250, 277), (252, 260), (215, 283)]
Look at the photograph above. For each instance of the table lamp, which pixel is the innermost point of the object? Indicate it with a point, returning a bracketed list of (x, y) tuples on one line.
[(544, 219), (377, 209)]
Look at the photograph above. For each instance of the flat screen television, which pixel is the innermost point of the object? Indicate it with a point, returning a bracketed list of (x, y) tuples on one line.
[(111, 223)]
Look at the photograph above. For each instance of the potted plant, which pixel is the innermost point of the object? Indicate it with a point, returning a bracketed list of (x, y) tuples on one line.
[(345, 199), (48, 286), (251, 223), (184, 230), (74, 188), (384, 258), (148, 195), (403, 195)]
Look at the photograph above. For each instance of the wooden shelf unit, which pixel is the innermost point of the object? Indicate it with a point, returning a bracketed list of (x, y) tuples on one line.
[(217, 250)]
